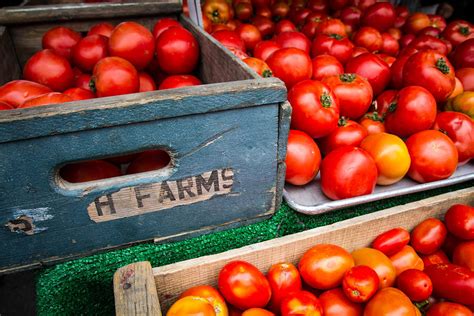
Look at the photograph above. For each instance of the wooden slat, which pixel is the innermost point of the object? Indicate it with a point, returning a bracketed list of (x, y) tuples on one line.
[(172, 280), (135, 291), (9, 68)]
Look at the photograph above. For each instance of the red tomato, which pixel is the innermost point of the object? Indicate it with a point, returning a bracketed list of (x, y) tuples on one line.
[(435, 258), (293, 39), (79, 94), (5, 106), (464, 255), (264, 25), (406, 259), (452, 282), (49, 69), (301, 303), (315, 108), (257, 312), (46, 99), (179, 81), (379, 262), (390, 45), (411, 111), (332, 26), (318, 5), (459, 220), (243, 285), (148, 161), (335, 303), (433, 156), (291, 65), (380, 15), (428, 236), (416, 22), (374, 69), (89, 171), (250, 35), (391, 241), (243, 11), (280, 10), (389, 60), (16, 92), (334, 45), (406, 39), (115, 76), (397, 71), (264, 49), (348, 133), (462, 56), (448, 309), (338, 4), (390, 301), (284, 279), (89, 51), (460, 128), (302, 158), (430, 30), (458, 31), (146, 82), (450, 244), (363, 4), (103, 28), (402, 11), (240, 54), (466, 76), (353, 92), (133, 42), (326, 65), (259, 66), (61, 40), (360, 283), (299, 16), (395, 33), (369, 38), (263, 12), (372, 123), (177, 51), (310, 28), (415, 284), (351, 16), (359, 51), (425, 42), (348, 172), (229, 39), (212, 295), (432, 71), (437, 21), (83, 81), (285, 26)]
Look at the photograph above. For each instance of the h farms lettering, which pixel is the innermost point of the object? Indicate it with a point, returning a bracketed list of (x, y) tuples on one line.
[(153, 197)]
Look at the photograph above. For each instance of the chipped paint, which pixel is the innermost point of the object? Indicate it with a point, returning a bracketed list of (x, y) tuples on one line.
[(26, 220)]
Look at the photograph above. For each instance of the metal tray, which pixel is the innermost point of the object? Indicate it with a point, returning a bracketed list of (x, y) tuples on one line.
[(309, 199)]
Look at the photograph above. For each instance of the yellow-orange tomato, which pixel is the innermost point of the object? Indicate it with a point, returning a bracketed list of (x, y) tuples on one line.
[(191, 305), (405, 259), (259, 66), (218, 11), (210, 294), (458, 88), (257, 312), (390, 301), (379, 262), (390, 154)]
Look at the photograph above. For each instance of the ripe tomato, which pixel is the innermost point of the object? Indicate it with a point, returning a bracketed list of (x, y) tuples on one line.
[(463, 103), (348, 133), (229, 39), (425, 42), (462, 56), (191, 305), (79, 94), (395, 33), (285, 26), (115, 76), (293, 39), (391, 241), (390, 301), (315, 108), (430, 30), (301, 303), (264, 49), (383, 102), (89, 51), (369, 38), (437, 21), (291, 65), (372, 123), (416, 22), (332, 26), (49, 69), (218, 11), (149, 160), (302, 158), (428, 236), (464, 255), (406, 259), (448, 309), (310, 28), (360, 283), (458, 32), (324, 265), (353, 92), (212, 295), (257, 312), (371, 67), (397, 71), (264, 25), (359, 51), (89, 171), (146, 82), (16, 92), (243, 285), (411, 111), (61, 40), (46, 99), (5, 106), (243, 11), (466, 76), (435, 258), (415, 284), (177, 51), (335, 303), (250, 35), (263, 12), (379, 262), (334, 45), (432, 71), (390, 45), (284, 278), (351, 16), (433, 156), (326, 65), (259, 66), (450, 244), (390, 155), (452, 282), (458, 89), (280, 10), (459, 220), (240, 54), (299, 16), (103, 28), (348, 172), (380, 15)]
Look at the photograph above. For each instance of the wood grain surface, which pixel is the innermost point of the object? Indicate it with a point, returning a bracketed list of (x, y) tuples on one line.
[(9, 67)]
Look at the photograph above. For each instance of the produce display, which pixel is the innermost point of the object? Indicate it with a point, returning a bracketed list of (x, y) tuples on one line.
[(377, 93), (428, 271)]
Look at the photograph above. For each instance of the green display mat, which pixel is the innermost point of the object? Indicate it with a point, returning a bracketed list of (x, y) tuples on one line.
[(84, 286)]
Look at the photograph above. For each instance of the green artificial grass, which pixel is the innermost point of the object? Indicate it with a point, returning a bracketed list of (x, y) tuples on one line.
[(84, 286)]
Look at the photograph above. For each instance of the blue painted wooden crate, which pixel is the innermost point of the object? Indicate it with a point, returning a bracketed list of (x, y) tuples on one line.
[(227, 140)]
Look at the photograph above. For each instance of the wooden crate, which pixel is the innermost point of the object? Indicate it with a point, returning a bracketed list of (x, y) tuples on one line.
[(227, 140), (142, 290)]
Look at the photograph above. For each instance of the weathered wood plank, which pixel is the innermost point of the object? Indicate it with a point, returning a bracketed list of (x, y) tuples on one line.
[(135, 291), (283, 131), (172, 280), (9, 68)]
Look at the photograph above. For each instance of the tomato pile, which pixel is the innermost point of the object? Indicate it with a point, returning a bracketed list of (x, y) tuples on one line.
[(109, 60), (377, 93), (429, 270)]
